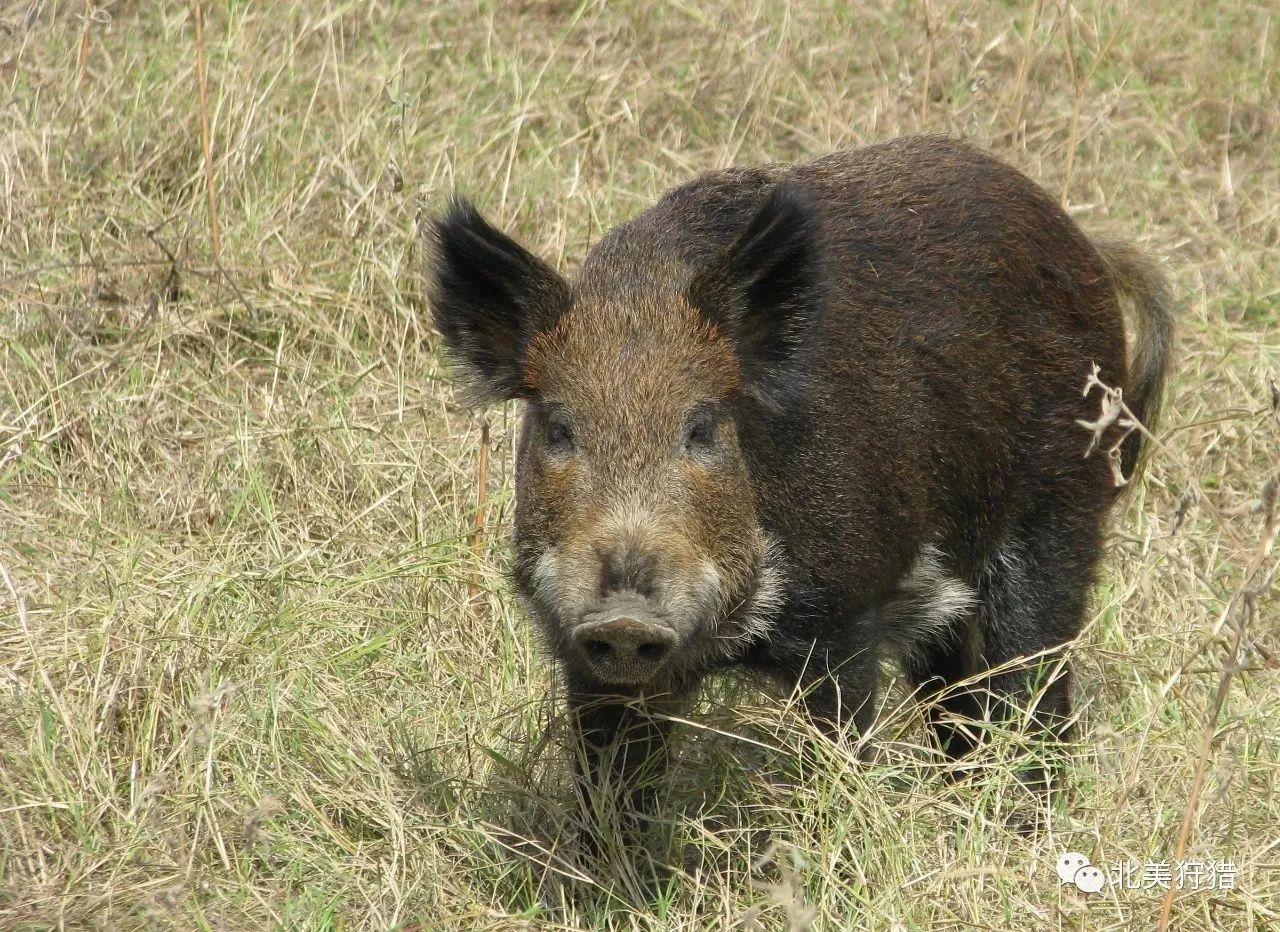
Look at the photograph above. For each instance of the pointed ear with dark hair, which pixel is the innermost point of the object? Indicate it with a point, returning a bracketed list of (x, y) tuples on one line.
[(489, 298), (766, 291)]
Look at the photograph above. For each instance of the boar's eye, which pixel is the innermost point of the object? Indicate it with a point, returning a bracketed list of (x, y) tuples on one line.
[(700, 430), (559, 432)]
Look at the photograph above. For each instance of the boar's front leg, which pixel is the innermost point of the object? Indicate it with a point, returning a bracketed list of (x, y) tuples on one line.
[(833, 665), (623, 752), (839, 692)]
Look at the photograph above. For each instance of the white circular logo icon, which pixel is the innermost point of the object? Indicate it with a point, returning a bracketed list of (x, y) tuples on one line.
[(1074, 867), (1068, 864), (1089, 879)]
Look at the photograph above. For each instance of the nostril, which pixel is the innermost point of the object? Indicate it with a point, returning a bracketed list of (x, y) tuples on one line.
[(597, 648), (652, 650), (626, 646)]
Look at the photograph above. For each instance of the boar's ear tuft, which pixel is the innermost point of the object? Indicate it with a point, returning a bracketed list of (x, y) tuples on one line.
[(766, 291), (489, 298)]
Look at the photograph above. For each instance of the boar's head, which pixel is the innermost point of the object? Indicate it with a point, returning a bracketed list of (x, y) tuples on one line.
[(638, 548)]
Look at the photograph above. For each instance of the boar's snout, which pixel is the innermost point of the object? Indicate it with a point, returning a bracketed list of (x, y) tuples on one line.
[(625, 642)]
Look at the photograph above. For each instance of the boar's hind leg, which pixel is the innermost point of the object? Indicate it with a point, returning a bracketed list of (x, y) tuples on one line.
[(1031, 599)]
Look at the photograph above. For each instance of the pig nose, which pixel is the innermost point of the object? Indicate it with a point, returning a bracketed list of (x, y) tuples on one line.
[(623, 648)]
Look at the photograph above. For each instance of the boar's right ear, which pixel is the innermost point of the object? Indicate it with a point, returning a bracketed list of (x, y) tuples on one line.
[(489, 298), (766, 291)]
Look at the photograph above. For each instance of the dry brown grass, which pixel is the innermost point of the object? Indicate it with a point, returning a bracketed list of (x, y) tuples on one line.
[(246, 680)]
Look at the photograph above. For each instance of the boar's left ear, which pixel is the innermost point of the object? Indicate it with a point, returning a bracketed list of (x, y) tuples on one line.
[(489, 297), (766, 292)]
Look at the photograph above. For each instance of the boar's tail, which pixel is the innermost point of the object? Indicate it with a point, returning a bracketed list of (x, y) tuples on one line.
[(1141, 283)]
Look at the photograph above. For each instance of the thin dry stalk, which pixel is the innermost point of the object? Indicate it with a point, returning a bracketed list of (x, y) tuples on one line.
[(82, 66), (1024, 68), (202, 82), (1077, 104), (929, 33), (482, 494)]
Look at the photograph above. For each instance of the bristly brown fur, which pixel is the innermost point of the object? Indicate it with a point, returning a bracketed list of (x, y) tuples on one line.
[(875, 360)]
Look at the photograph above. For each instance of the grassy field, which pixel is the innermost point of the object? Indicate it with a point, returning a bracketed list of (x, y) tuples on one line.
[(258, 663)]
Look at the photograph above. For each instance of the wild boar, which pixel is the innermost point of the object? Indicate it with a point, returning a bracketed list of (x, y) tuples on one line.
[(792, 419)]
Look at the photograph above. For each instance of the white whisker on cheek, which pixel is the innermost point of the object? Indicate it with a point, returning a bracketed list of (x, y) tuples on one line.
[(712, 585), (769, 593), (546, 576), (563, 578), (752, 618)]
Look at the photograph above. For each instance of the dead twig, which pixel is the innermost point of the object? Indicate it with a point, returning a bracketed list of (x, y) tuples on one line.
[(1114, 413)]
